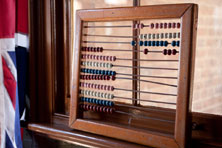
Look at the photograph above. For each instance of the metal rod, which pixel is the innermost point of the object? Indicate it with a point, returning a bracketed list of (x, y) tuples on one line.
[(156, 68), (158, 77), (146, 92), (148, 60), (159, 83), (120, 26), (142, 100), (102, 42), (111, 36)]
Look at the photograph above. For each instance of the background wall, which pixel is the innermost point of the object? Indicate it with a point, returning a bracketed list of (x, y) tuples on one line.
[(207, 96)]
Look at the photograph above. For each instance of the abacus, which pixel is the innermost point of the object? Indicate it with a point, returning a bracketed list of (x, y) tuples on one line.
[(133, 73)]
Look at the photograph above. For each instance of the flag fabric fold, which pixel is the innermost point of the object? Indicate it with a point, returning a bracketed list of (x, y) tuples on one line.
[(13, 69)]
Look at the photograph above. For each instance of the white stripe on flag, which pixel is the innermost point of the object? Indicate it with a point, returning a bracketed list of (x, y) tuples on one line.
[(22, 40), (10, 64), (7, 44), (10, 118), (2, 109)]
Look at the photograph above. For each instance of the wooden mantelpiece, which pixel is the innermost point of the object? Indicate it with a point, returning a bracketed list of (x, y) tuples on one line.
[(207, 132)]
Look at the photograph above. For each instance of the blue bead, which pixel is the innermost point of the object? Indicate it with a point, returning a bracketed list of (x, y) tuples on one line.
[(109, 72), (110, 103), (157, 43), (178, 43), (87, 70), (90, 100), (82, 70), (97, 101), (97, 71), (87, 99), (145, 43), (81, 99), (91, 71), (107, 103), (100, 102), (133, 43), (113, 73), (149, 43), (106, 72), (165, 43), (141, 43), (94, 71), (103, 102), (103, 72), (161, 43), (153, 43), (173, 43)]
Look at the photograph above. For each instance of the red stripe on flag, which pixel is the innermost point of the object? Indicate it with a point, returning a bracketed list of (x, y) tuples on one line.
[(7, 18), (9, 82)]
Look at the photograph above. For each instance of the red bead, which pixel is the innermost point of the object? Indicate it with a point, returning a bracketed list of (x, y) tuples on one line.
[(169, 52), (169, 25), (88, 56), (107, 58), (94, 77), (89, 85), (112, 88), (152, 25), (114, 58), (104, 58), (174, 51), (83, 48), (88, 49), (94, 108), (113, 78), (97, 49), (87, 107), (101, 109), (105, 87), (111, 110), (165, 51), (94, 86), (99, 77), (97, 108), (101, 49), (161, 25), (97, 87), (165, 25), (145, 51), (101, 57), (108, 88), (102, 87), (94, 57), (108, 77), (102, 77), (91, 56), (104, 109), (84, 106), (97, 57), (174, 25), (94, 49), (178, 25), (157, 26), (90, 107)]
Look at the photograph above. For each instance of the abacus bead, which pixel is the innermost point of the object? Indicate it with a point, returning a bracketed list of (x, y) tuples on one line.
[(94, 77), (161, 43), (157, 43), (97, 101), (104, 64), (102, 95), (174, 51), (97, 108), (154, 36), (145, 43), (107, 58), (178, 34), (113, 78), (174, 35), (161, 25), (145, 51), (165, 51), (166, 35), (152, 25), (101, 49), (94, 49), (108, 77), (106, 72), (165, 43), (108, 88), (106, 95), (162, 35), (91, 49), (133, 43), (88, 49), (149, 43), (101, 109), (141, 43), (104, 109), (178, 25), (94, 108), (113, 73), (107, 103), (111, 96), (100, 102), (88, 56), (97, 49), (141, 36), (112, 88), (178, 43), (157, 35), (153, 43), (169, 51), (174, 25), (114, 58), (169, 25), (157, 26), (165, 25), (101, 57), (150, 35), (145, 36), (170, 35), (87, 99), (173, 43), (110, 103), (97, 57), (111, 110), (141, 25)]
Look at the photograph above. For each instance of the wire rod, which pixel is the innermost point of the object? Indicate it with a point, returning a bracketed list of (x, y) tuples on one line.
[(158, 77)]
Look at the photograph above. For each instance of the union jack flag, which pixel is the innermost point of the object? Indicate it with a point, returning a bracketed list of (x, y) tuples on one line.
[(13, 18)]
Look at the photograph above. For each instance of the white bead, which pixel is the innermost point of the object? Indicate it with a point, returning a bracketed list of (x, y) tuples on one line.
[(97, 64), (82, 91), (101, 64), (98, 94), (92, 93), (91, 63), (94, 64), (170, 35), (105, 95), (87, 63), (95, 94), (102, 95), (145, 36)]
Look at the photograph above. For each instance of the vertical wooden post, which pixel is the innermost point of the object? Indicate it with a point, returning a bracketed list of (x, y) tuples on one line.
[(135, 55)]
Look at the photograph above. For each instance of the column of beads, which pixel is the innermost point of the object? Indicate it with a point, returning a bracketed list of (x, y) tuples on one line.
[(160, 35), (99, 57), (169, 52), (97, 86), (165, 25), (97, 101), (96, 71), (97, 77), (92, 49), (156, 43), (97, 108), (96, 64), (138, 26), (97, 94)]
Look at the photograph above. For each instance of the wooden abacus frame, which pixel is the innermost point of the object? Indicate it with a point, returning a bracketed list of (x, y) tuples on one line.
[(188, 15)]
